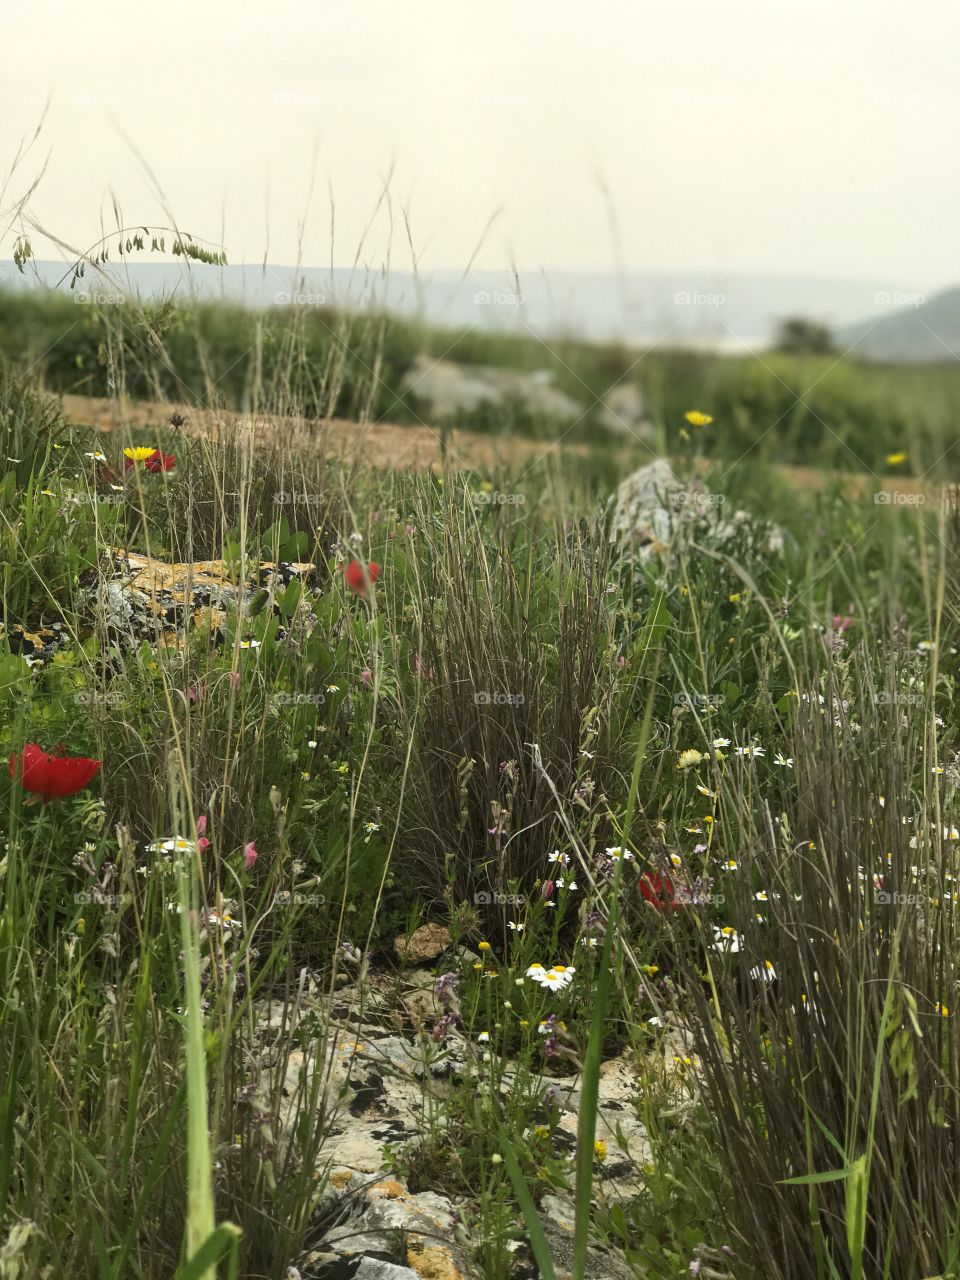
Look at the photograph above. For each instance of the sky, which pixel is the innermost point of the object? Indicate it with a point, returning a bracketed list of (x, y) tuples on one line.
[(749, 136)]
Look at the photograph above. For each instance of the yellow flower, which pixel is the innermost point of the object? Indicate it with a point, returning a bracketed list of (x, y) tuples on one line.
[(698, 419), (483, 946), (894, 459), (689, 759), (139, 453), (650, 969), (734, 597), (600, 1150)]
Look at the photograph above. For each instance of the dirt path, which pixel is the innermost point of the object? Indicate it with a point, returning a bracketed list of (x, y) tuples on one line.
[(381, 443), (391, 445)]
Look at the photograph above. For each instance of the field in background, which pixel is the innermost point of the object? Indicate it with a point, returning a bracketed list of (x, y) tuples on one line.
[(315, 363)]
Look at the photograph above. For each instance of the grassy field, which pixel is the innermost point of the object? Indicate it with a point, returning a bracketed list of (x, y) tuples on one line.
[(717, 785)]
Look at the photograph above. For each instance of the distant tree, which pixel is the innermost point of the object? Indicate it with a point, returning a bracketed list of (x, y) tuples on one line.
[(803, 337)]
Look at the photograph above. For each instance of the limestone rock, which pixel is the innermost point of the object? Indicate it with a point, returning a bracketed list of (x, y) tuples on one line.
[(425, 943)]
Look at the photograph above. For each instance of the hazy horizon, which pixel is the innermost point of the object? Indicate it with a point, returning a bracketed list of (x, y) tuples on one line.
[(741, 141)]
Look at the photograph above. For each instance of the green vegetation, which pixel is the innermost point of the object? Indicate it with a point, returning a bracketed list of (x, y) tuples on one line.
[(785, 406), (746, 759)]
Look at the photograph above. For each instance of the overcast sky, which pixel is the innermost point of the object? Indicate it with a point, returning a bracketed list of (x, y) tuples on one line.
[(749, 135)]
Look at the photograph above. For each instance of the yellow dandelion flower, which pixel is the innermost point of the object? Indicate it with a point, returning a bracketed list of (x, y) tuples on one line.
[(894, 459), (698, 419), (139, 453)]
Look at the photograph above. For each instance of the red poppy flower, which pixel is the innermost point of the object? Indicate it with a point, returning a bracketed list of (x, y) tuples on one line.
[(658, 890), (359, 577), (51, 776), (156, 461), (160, 462)]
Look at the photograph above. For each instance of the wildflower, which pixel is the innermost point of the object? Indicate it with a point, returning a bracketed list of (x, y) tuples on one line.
[(514, 927), (650, 969), (735, 597), (365, 677), (139, 453), (750, 751), (360, 577), (249, 644), (484, 1037), (557, 856), (250, 856), (496, 1158), (764, 973), (785, 762), (705, 791), (175, 844), (569, 885), (616, 853), (600, 1150), (556, 978), (333, 688), (698, 419), (658, 890), (730, 865), (894, 459), (370, 827), (690, 758), (51, 776), (158, 462), (483, 946), (726, 938)]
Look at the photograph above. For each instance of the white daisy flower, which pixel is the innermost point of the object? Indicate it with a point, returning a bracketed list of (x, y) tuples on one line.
[(785, 762), (726, 938)]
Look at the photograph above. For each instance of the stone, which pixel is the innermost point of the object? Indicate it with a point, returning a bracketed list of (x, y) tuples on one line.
[(376, 1269), (655, 513), (624, 412), (425, 943), (447, 389)]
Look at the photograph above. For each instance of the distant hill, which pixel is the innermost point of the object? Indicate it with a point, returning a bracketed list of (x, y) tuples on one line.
[(729, 312), (908, 329)]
